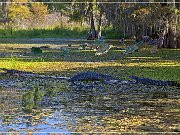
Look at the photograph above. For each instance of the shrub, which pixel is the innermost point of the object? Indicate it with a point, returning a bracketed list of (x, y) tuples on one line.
[(36, 50)]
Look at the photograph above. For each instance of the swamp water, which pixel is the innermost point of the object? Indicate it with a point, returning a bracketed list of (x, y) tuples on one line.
[(102, 108), (61, 112)]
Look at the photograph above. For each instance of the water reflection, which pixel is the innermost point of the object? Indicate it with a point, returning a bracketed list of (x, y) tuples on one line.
[(55, 122)]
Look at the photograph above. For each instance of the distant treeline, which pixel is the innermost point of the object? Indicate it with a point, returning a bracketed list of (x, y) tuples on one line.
[(92, 19)]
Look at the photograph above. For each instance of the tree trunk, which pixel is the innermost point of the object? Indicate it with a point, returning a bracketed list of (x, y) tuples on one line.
[(92, 33), (99, 25), (173, 43), (164, 35), (138, 33), (108, 14), (92, 29), (171, 38)]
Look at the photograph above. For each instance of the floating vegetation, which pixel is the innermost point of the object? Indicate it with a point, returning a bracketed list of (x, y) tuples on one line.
[(10, 100)]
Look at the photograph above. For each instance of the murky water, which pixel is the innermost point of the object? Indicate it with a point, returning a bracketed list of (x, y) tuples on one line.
[(110, 108), (59, 113)]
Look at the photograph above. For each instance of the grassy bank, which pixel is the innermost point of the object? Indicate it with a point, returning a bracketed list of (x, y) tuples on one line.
[(164, 65)]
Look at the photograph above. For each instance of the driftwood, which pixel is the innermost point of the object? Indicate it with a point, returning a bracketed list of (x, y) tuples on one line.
[(103, 49), (133, 48)]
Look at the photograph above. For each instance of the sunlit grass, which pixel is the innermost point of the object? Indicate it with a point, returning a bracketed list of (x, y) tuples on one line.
[(164, 65)]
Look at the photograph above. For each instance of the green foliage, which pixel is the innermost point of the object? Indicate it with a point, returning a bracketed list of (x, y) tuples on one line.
[(140, 15), (19, 11), (39, 11), (36, 50), (28, 101), (79, 11), (111, 33), (57, 32), (38, 95), (50, 91), (32, 99)]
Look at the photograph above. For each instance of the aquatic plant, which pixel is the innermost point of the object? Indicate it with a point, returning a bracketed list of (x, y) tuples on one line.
[(38, 95), (28, 101), (32, 99)]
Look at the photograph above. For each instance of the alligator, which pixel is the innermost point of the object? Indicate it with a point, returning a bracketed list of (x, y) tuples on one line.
[(89, 80), (148, 81), (91, 76), (13, 71), (83, 76)]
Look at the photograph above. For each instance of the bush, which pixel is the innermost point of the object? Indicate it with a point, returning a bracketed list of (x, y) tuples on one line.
[(111, 33), (36, 50)]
